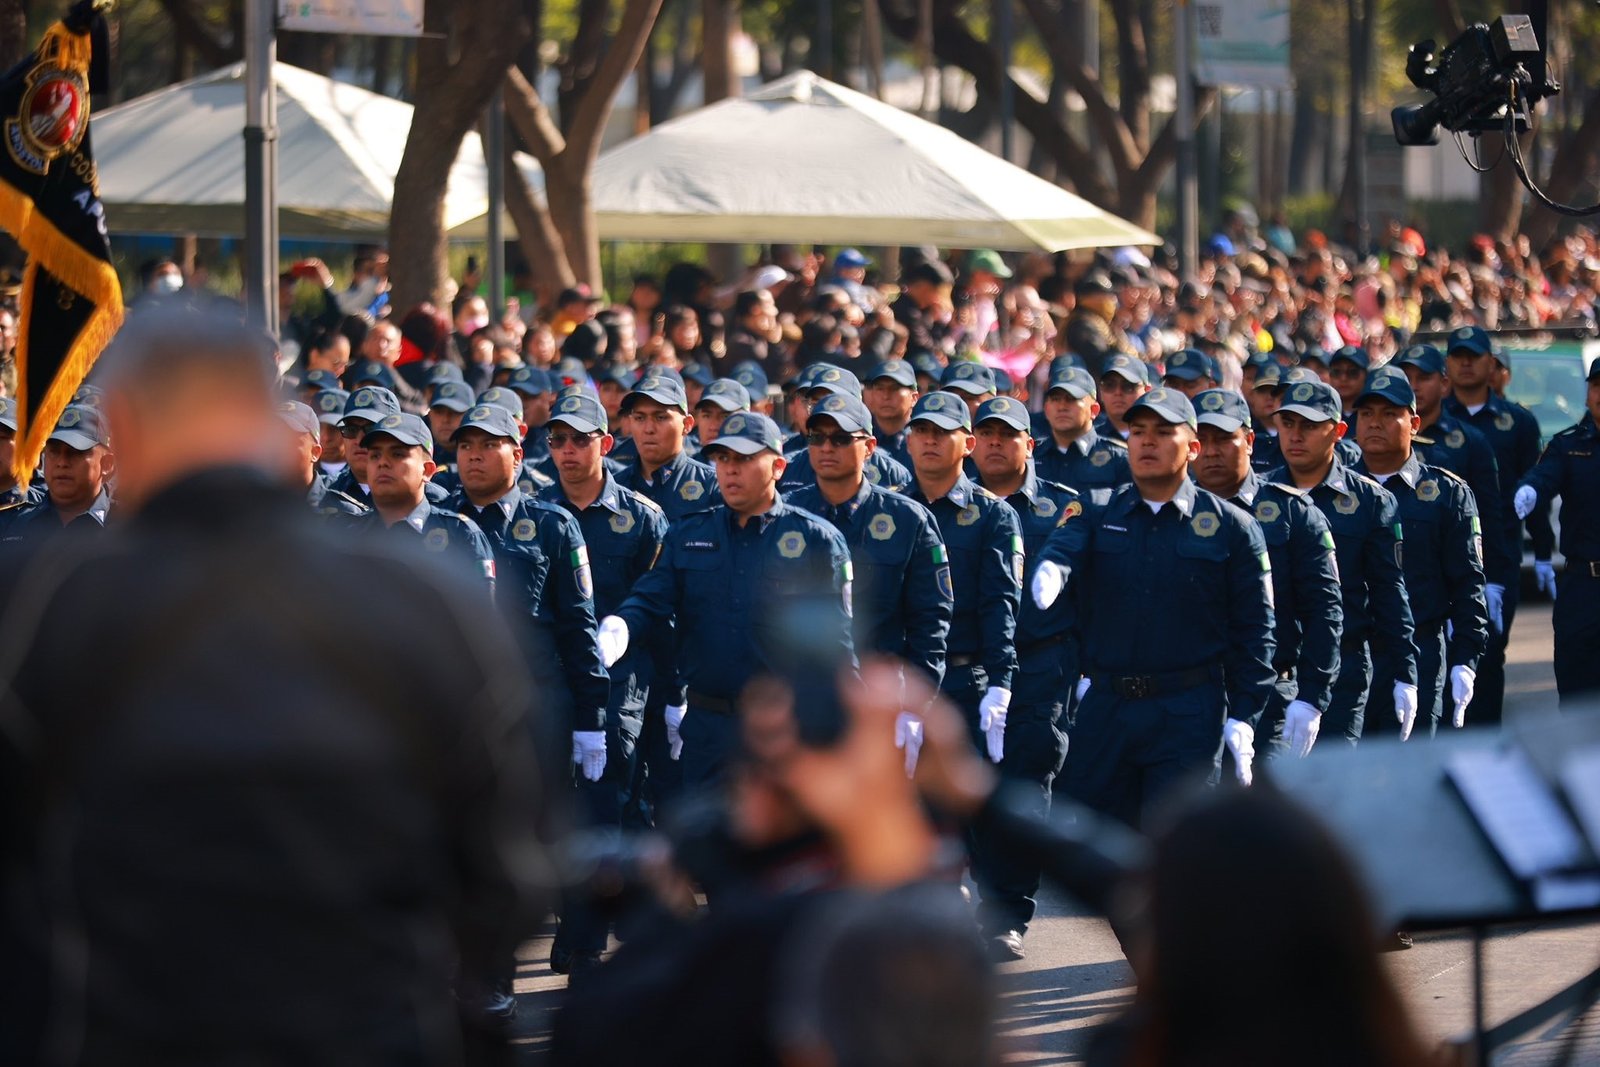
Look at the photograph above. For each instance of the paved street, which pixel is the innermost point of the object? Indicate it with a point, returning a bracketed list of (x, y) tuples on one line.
[(1075, 976)]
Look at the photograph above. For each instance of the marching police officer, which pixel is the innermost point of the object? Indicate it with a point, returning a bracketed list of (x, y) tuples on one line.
[(1309, 617), (451, 400), (1513, 434), (1191, 372), (890, 392), (658, 413), (1367, 537), (303, 449), (78, 465), (1570, 469), (902, 596), (1047, 667), (1347, 373), (753, 584), (1123, 380), (1445, 441), (974, 382), (1175, 594), (13, 495), (984, 539), (368, 406), (537, 391), (623, 533), (1443, 564), (882, 469), (721, 398), (1073, 453)]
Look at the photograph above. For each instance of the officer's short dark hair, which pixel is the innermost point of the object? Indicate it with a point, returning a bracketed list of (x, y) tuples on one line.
[(163, 347)]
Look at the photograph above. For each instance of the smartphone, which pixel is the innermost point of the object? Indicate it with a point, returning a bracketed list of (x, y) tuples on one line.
[(472, 264)]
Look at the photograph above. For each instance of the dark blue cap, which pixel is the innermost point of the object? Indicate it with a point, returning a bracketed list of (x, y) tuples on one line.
[(1074, 380), (1006, 409), (828, 377), (298, 416), (747, 433), (1314, 400), (330, 404), (1314, 352), (1190, 365), (580, 410), (1270, 376), (613, 374), (1352, 354), (726, 394), (453, 396), (321, 380), (407, 429), (1426, 358), (1002, 380), (968, 376), (896, 370), (529, 381), (1473, 339), (851, 257), (699, 374), (1126, 366), (1222, 408), (8, 413), (372, 370), (1066, 360), (944, 410), (88, 394), (1168, 404), (848, 411), (568, 371), (749, 374), (668, 392), (444, 372), (1296, 375), (1258, 359), (80, 427), (927, 364), (1390, 383), (370, 402), (493, 419), (501, 397)]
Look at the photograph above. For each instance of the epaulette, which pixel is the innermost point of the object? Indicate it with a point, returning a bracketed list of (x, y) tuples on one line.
[(1112, 443), (640, 498), (1292, 490), (14, 505), (1449, 474), (979, 490)]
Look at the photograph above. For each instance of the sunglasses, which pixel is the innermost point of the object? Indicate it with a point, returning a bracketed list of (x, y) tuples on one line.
[(571, 440), (352, 433), (837, 440)]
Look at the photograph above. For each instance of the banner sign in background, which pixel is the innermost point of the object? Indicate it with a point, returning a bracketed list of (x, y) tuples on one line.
[(1243, 44), (372, 18)]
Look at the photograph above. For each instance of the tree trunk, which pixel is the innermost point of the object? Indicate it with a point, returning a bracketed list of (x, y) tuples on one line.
[(1571, 172), (489, 33), (536, 235), (1499, 191)]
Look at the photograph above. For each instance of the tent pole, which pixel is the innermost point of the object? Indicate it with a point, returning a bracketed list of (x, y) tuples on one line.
[(260, 166), (1183, 120), (495, 155)]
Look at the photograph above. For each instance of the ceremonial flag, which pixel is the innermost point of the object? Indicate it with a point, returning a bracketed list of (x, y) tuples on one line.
[(50, 202)]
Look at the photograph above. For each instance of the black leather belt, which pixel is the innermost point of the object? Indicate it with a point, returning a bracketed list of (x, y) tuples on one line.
[(1042, 644), (1587, 567), (960, 661), (1143, 686), (701, 702)]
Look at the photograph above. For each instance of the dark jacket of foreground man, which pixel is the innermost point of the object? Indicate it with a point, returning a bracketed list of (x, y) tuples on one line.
[(268, 794)]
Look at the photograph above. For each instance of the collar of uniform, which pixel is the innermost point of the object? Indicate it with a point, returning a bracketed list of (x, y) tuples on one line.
[(1030, 485), (1411, 470), (1453, 408), (1252, 484), (1184, 498), (610, 496), (672, 466), (962, 492), (766, 518), (1437, 429), (860, 498), (510, 502), (418, 516), (1338, 478)]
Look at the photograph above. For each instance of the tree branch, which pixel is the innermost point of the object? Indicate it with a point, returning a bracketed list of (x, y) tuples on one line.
[(1114, 133), (531, 119), (198, 34), (594, 107)]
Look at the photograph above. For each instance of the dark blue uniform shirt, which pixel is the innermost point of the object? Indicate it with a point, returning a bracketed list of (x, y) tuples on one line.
[(1570, 469), (679, 487), (1090, 463), (1455, 446), (882, 470)]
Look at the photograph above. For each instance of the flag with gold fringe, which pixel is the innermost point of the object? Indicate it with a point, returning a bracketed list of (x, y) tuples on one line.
[(50, 202)]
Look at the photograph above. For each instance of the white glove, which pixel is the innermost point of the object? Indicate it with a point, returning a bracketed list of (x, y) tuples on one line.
[(1083, 687), (1544, 572), (675, 714), (613, 639), (1048, 579), (1405, 708), (1301, 722), (1241, 739), (908, 737), (992, 720), (1494, 596), (589, 750), (1462, 679), (1527, 496)]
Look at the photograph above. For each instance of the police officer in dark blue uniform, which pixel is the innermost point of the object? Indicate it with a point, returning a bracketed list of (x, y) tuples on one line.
[(1348, 368), (1073, 453), (1047, 667), (984, 539), (399, 456), (974, 382), (1174, 590), (303, 447), (720, 399), (1570, 469), (13, 495), (814, 382), (1367, 541), (1443, 560), (368, 406), (902, 593), (1308, 613), (451, 400), (890, 392), (1513, 434), (1262, 395), (754, 585), (624, 533), (882, 469), (537, 390), (1191, 372), (658, 412), (1447, 442), (78, 464), (1122, 380)]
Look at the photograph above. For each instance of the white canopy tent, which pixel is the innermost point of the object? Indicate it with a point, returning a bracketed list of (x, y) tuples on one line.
[(805, 160), (173, 161)]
